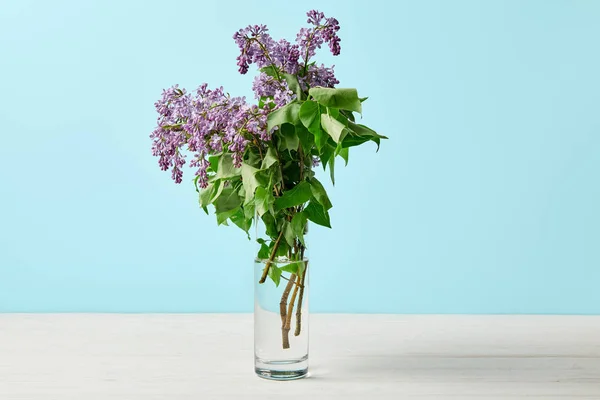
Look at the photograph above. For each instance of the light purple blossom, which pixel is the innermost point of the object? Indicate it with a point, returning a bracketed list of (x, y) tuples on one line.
[(209, 121), (316, 161), (265, 85), (321, 76), (285, 56), (324, 31), (255, 44), (203, 124)]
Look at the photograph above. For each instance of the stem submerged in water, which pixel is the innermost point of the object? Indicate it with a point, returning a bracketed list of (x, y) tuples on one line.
[(300, 297), (285, 331), (283, 304)]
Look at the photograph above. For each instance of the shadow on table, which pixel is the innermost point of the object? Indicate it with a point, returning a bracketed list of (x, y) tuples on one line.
[(448, 368)]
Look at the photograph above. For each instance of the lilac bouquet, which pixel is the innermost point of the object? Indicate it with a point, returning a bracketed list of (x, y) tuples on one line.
[(255, 161)]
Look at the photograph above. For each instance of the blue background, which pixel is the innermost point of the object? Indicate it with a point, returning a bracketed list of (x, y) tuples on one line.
[(484, 200)]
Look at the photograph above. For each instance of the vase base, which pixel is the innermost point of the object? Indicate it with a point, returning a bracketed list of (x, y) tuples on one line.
[(281, 375), (281, 370)]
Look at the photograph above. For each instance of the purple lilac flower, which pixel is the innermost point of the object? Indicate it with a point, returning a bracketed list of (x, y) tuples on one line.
[(255, 45), (203, 123), (268, 86), (265, 85), (310, 39), (211, 121), (283, 97), (285, 56), (321, 76)]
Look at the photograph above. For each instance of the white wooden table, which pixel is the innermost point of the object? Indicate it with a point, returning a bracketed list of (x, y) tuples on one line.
[(209, 356)]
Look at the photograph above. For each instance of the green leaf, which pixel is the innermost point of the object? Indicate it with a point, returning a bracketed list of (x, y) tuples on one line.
[(344, 153), (264, 251), (299, 194), (288, 234), (296, 267), (282, 250), (287, 113), (289, 140), (327, 153), (306, 138), (346, 99), (275, 274), (363, 130), (310, 116), (332, 169), (348, 115), (226, 169), (298, 226), (270, 158), (209, 194), (213, 162), (253, 156), (220, 185), (263, 200), (320, 194), (249, 181), (239, 219), (225, 215), (206, 195), (317, 214), (270, 70), (227, 201), (360, 134), (351, 140), (333, 127), (270, 225), (249, 210), (293, 85)]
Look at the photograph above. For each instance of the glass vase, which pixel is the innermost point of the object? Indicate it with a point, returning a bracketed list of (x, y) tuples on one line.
[(281, 317)]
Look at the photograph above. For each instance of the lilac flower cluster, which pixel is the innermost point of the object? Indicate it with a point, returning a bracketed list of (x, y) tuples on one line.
[(321, 76), (210, 121), (206, 123), (324, 31), (257, 47), (268, 86)]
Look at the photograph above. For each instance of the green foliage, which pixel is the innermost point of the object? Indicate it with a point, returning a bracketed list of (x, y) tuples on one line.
[(227, 200), (296, 196), (263, 201), (344, 153), (287, 113), (226, 169), (270, 158), (294, 85), (289, 139), (263, 253), (316, 213), (320, 194), (270, 70), (276, 182), (298, 225), (360, 134), (275, 274), (296, 267), (249, 181), (333, 127), (345, 99), (310, 116)]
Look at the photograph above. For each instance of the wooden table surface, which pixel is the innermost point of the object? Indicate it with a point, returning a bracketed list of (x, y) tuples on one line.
[(209, 356)]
